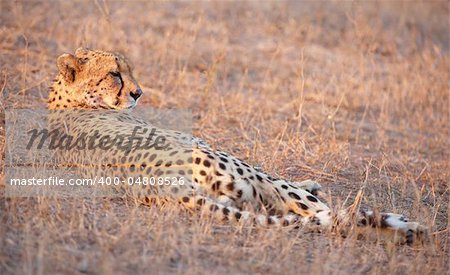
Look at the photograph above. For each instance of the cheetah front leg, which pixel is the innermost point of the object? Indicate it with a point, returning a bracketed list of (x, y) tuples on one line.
[(216, 209), (223, 212)]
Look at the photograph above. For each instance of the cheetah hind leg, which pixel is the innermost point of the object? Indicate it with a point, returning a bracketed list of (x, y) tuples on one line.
[(369, 225), (387, 227), (311, 186), (393, 227)]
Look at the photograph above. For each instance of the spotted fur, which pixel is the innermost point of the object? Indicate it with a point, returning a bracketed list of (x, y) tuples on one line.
[(217, 183)]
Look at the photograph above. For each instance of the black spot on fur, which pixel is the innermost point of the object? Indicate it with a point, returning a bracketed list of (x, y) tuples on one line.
[(302, 206), (152, 157), (311, 198), (216, 185), (201, 201), (237, 215), (185, 199), (230, 186), (294, 196), (224, 159)]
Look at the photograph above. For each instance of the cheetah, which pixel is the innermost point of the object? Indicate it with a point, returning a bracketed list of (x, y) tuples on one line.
[(216, 183)]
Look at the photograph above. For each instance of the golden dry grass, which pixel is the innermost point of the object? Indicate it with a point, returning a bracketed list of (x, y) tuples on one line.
[(353, 95)]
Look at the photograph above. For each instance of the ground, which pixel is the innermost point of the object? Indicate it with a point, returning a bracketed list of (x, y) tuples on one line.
[(353, 95)]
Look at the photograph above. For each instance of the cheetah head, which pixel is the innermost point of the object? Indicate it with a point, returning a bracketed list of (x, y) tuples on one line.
[(94, 80)]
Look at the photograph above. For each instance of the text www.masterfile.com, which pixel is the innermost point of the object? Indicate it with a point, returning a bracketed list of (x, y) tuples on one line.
[(102, 181)]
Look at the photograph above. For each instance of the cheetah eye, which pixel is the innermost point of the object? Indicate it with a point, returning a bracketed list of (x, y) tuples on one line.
[(115, 74)]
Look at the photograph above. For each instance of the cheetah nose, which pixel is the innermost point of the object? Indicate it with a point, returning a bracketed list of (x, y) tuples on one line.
[(136, 94)]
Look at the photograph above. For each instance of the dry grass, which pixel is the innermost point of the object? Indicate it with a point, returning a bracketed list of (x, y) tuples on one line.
[(353, 95)]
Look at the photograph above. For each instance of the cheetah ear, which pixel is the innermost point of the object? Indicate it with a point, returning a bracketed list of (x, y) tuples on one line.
[(68, 67), (80, 52)]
